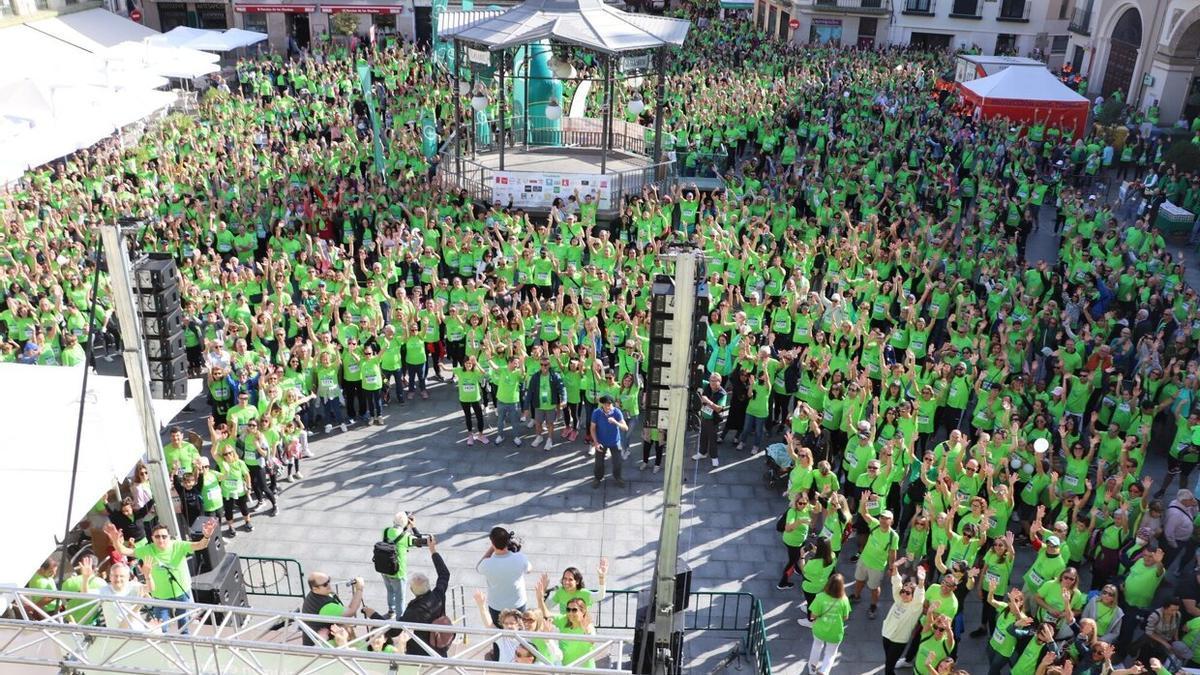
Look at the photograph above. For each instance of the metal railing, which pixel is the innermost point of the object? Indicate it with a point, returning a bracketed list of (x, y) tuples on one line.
[(918, 7), (739, 613), (864, 6), (570, 132), (1081, 20), (245, 640), (272, 577)]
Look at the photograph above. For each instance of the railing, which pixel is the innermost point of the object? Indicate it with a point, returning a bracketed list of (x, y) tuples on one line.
[(919, 7), (272, 577), (1014, 10), (739, 613), (1081, 21), (571, 132), (244, 640), (865, 6)]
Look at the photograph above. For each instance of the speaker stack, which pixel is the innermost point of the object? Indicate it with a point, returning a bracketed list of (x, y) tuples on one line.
[(221, 586), (644, 625), (156, 289), (210, 557)]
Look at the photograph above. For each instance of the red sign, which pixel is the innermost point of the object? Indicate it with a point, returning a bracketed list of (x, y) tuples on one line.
[(362, 9), (282, 9), (136, 15), (793, 23)]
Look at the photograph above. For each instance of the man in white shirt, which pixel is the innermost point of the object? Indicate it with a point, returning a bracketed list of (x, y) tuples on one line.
[(504, 567)]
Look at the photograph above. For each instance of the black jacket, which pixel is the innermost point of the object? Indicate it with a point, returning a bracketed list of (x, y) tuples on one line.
[(428, 607), (558, 391)]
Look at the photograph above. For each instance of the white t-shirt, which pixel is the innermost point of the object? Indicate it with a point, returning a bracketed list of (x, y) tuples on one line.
[(125, 615), (505, 574)]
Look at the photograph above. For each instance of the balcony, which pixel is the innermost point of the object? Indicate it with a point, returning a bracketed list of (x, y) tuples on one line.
[(870, 7), (1081, 21), (966, 9), (1015, 11), (918, 7)]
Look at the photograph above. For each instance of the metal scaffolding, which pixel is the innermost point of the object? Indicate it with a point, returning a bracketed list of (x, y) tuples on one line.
[(236, 640)]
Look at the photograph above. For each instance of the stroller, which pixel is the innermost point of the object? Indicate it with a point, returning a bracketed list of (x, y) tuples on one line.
[(779, 465)]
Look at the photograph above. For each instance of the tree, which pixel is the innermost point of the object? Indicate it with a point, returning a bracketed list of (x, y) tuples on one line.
[(1184, 154), (344, 23)]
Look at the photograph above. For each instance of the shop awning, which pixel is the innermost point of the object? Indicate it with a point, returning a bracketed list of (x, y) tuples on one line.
[(361, 9), (271, 8), (737, 4)]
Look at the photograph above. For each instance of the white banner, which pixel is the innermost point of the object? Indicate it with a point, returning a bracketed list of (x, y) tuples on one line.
[(538, 190)]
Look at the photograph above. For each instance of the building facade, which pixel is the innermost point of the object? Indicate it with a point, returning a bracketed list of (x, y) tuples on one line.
[(302, 20), (1016, 27), (1145, 49)]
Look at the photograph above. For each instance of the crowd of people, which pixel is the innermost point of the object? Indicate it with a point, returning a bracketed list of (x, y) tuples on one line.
[(948, 405)]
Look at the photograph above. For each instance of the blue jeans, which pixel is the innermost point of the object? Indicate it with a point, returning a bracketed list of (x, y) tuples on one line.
[(507, 415), (398, 377), (167, 615), (416, 376), (757, 427), (395, 593), (629, 420), (332, 411)]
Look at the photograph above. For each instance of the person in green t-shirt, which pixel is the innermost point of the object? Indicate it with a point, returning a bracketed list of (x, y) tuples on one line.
[(756, 411), (828, 613), (168, 558), (85, 580), (508, 380), (878, 554), (470, 379), (400, 534), (796, 523)]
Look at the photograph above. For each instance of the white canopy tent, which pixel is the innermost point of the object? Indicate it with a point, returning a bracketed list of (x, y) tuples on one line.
[(163, 60), (209, 40), (41, 404), (585, 23), (93, 30)]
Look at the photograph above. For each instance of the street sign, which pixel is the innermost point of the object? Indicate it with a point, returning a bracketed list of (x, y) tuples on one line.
[(136, 15), (793, 23)]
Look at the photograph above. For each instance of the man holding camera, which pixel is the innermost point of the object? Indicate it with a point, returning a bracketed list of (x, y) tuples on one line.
[(504, 567), (323, 601), (402, 535)]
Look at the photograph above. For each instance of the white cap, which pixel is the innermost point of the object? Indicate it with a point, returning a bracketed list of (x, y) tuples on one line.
[(400, 520)]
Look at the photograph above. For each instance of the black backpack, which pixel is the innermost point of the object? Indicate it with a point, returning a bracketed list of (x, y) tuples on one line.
[(384, 555)]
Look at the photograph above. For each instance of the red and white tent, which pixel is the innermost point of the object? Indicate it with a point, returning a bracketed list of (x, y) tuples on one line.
[(1026, 95)]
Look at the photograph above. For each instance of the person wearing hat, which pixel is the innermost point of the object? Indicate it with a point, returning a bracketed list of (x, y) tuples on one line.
[(1048, 565), (878, 554), (400, 534)]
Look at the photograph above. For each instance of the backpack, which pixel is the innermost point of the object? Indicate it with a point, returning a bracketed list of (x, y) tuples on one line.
[(442, 640), (384, 555)]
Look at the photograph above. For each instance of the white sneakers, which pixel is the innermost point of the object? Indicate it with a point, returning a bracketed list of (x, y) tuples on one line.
[(643, 465), (549, 443), (698, 456), (537, 440), (517, 441), (716, 463), (498, 440)]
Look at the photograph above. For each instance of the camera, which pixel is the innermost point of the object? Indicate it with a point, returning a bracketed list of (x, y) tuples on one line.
[(514, 544), (420, 541)]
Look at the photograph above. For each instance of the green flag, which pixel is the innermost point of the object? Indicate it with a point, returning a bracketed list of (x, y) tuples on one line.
[(364, 78)]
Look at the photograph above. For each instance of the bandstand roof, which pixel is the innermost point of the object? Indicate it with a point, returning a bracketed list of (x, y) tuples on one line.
[(585, 23)]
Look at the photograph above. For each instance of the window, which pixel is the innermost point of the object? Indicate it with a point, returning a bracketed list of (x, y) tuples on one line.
[(919, 6), (172, 15), (212, 15), (6, 8), (1062, 9), (42, 4), (965, 8), (384, 23), (1012, 9), (255, 21), (1058, 44)]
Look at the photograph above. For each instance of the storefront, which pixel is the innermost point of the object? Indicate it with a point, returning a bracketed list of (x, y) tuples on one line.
[(825, 31), (306, 23)]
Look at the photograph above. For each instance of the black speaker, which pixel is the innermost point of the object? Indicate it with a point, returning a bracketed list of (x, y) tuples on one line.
[(644, 634), (170, 390), (222, 586), (158, 302), (214, 554), (155, 272), (168, 368), (683, 585), (162, 325), (165, 347)]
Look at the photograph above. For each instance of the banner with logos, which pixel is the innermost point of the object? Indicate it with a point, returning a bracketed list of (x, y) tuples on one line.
[(537, 190)]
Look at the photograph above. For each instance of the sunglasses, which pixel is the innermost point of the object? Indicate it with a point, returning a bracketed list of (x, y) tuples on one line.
[(161, 536), (573, 610)]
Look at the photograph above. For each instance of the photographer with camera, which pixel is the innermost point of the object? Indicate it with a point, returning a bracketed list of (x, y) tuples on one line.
[(504, 567), (391, 558), (321, 600)]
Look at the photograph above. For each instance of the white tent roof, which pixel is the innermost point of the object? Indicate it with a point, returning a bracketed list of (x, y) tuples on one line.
[(209, 40), (163, 60), (26, 53), (1024, 84), (585, 23), (93, 29), (41, 404)]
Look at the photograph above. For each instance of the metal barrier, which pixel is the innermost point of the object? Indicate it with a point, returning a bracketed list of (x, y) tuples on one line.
[(708, 611), (275, 577)]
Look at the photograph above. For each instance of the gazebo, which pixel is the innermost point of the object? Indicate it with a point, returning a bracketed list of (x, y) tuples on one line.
[(535, 150)]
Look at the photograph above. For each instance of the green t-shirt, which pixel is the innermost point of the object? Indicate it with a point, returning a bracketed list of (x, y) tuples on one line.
[(879, 545), (403, 541), (829, 617), (74, 584), (470, 385), (169, 568)]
